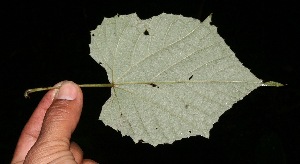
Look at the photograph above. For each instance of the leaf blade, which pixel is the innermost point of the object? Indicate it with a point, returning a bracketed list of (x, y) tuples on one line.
[(173, 83)]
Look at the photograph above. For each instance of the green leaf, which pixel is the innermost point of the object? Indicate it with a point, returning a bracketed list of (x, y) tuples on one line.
[(172, 76)]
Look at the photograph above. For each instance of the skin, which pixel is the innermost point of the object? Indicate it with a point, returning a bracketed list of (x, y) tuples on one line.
[(46, 136)]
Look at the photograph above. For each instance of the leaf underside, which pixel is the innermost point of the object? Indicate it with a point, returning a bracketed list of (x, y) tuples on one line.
[(173, 76)]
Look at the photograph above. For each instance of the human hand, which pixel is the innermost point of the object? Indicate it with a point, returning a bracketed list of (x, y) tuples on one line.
[(46, 136)]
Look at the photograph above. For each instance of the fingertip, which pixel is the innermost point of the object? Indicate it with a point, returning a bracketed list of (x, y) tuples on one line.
[(89, 161), (68, 91), (77, 152)]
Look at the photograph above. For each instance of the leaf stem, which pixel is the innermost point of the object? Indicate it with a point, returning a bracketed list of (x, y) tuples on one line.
[(28, 91)]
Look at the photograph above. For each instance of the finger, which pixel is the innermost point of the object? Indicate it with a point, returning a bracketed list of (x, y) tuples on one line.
[(77, 152), (59, 122), (63, 115), (32, 128), (89, 161)]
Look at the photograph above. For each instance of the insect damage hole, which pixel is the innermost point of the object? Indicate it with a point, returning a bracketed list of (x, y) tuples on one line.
[(154, 85), (146, 32)]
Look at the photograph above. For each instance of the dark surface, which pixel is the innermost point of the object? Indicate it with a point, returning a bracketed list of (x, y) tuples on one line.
[(47, 42)]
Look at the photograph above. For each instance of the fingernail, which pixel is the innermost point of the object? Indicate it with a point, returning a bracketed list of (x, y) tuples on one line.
[(67, 91)]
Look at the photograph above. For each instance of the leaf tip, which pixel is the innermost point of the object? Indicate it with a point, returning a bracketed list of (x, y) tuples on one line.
[(273, 84), (208, 19)]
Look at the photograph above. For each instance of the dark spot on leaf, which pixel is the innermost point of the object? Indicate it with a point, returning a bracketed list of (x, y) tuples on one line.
[(186, 106), (146, 32), (99, 63), (93, 34), (154, 85), (191, 77), (190, 131)]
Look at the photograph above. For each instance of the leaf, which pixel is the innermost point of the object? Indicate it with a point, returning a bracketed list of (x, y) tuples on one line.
[(172, 76)]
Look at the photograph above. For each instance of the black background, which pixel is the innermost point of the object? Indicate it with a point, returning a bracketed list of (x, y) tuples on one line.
[(46, 42)]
